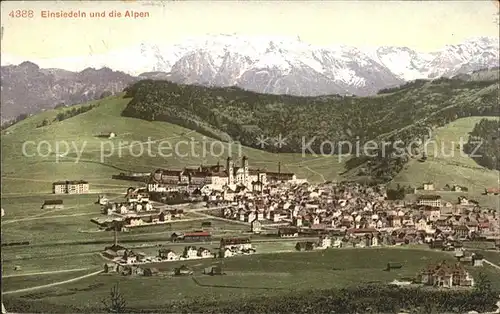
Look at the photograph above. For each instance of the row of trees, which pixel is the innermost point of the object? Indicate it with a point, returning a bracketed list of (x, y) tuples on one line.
[(66, 114), (74, 111)]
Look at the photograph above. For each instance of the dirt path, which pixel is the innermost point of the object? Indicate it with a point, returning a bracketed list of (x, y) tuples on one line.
[(46, 272), (52, 284), (47, 217), (491, 264), (317, 173)]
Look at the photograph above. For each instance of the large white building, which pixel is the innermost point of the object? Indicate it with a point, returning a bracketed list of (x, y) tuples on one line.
[(216, 176), (70, 187)]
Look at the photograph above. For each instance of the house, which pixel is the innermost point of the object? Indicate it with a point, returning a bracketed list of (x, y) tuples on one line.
[(213, 271), (462, 200), (361, 232), (204, 253), (53, 204), (492, 191), (236, 243), (393, 265), (250, 216), (164, 216), (226, 252), (288, 232), (297, 221), (129, 257), (102, 200), (477, 260), (337, 243), (183, 271), (167, 254), (70, 187), (110, 268), (148, 271), (114, 251), (428, 186), (199, 236), (190, 252), (458, 188), (429, 200), (460, 231), (324, 242), (256, 226), (445, 275)]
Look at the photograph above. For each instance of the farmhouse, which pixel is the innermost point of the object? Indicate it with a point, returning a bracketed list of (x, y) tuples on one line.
[(445, 275), (53, 204), (70, 187)]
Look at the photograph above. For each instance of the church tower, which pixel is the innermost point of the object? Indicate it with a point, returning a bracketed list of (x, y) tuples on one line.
[(244, 164), (230, 170)]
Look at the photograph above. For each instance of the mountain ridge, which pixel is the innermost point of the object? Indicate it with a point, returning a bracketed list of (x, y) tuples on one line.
[(260, 64)]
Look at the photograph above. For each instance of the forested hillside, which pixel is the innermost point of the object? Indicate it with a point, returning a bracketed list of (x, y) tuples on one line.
[(484, 144), (401, 114)]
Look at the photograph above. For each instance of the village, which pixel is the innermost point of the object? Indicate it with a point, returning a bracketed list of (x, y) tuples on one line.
[(279, 207)]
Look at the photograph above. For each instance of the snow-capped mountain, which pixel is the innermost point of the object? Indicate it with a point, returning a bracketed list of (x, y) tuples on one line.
[(271, 64), (471, 55)]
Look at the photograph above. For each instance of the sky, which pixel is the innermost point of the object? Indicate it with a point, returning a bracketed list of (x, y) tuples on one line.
[(423, 26)]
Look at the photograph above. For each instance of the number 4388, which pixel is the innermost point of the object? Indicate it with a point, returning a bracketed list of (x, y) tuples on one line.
[(22, 13)]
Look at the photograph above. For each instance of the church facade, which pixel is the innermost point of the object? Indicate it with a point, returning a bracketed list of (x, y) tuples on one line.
[(216, 177)]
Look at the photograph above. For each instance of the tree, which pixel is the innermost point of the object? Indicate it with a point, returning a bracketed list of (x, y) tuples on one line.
[(116, 302), (483, 284), (483, 296)]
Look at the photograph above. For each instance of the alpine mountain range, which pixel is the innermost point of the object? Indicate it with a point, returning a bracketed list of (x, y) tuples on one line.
[(264, 64)]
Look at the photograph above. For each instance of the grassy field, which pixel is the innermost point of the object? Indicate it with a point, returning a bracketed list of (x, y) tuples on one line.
[(446, 164), (99, 158), (249, 276)]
